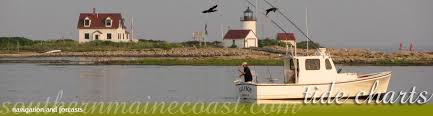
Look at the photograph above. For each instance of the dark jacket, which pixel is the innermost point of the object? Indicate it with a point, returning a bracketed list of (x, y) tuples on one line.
[(248, 76)]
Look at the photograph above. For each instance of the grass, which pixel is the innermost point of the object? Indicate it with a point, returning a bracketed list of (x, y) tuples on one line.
[(198, 108), (20, 44)]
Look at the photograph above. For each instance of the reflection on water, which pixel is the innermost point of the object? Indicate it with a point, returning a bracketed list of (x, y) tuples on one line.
[(33, 82)]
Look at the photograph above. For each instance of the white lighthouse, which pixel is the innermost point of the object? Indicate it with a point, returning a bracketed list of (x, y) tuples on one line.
[(246, 36), (248, 20)]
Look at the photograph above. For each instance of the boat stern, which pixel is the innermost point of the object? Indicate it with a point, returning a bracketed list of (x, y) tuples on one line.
[(246, 90)]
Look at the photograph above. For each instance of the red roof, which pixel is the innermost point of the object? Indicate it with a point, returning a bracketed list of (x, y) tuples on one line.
[(286, 36), (98, 20), (237, 34)]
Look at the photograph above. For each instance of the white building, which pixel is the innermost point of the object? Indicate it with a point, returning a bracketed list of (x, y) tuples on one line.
[(245, 37), (102, 26), (288, 38)]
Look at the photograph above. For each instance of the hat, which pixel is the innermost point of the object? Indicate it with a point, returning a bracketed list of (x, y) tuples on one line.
[(244, 63)]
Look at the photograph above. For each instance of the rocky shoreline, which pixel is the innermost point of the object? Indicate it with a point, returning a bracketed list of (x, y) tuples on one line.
[(357, 56), (175, 52), (340, 56)]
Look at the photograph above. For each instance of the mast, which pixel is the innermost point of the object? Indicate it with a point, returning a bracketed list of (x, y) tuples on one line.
[(222, 31), (257, 18), (132, 28), (308, 30)]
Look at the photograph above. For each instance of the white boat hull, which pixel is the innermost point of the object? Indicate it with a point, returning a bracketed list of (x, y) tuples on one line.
[(363, 83)]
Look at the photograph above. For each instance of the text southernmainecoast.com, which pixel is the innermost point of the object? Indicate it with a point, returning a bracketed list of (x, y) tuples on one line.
[(58, 106)]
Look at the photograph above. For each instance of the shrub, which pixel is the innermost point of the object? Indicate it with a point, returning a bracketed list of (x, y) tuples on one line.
[(311, 45), (233, 46)]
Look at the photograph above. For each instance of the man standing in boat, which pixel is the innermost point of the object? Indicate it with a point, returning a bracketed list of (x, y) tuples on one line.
[(246, 73)]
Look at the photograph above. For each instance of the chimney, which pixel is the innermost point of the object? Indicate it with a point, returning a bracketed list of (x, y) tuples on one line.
[(94, 11)]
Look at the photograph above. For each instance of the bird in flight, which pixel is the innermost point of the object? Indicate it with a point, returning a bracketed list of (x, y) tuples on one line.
[(211, 10), (273, 9)]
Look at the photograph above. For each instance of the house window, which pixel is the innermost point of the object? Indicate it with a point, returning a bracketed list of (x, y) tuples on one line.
[(108, 22), (108, 35), (328, 64), (86, 36), (96, 37), (312, 64), (86, 22)]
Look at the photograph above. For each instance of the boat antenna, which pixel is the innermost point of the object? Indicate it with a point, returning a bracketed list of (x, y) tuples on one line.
[(291, 22)]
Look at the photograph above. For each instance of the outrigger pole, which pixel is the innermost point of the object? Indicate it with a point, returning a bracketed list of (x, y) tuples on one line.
[(293, 23), (276, 24)]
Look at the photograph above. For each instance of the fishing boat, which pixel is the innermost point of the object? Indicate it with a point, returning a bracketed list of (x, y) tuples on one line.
[(316, 74), (312, 76)]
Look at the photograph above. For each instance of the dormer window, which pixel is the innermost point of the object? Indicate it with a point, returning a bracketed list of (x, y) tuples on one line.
[(108, 22), (87, 22)]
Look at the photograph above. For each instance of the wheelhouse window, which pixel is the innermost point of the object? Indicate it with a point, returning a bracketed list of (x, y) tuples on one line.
[(328, 64), (86, 22), (108, 22), (108, 35), (86, 36), (292, 66), (312, 64)]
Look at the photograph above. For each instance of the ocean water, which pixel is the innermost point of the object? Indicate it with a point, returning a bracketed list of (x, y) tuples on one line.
[(23, 82)]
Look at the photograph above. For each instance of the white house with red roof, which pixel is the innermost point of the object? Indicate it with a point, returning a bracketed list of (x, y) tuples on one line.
[(102, 26), (288, 38), (245, 37), (240, 39)]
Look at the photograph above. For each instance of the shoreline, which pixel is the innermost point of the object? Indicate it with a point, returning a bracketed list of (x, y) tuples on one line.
[(185, 61), (218, 57)]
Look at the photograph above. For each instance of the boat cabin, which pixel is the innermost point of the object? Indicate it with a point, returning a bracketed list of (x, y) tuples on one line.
[(318, 68)]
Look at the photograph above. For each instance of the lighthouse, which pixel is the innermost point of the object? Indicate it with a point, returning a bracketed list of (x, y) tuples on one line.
[(245, 37), (249, 21)]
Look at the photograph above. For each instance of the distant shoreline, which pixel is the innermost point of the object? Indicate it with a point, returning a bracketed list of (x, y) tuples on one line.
[(182, 61), (236, 62), (220, 57)]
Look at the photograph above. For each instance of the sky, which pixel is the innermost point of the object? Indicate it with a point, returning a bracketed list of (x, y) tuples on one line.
[(379, 24)]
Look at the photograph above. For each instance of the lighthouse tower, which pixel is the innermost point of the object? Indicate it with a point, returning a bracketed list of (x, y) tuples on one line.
[(249, 21), (246, 36)]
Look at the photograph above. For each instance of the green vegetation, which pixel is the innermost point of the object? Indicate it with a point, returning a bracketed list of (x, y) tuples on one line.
[(200, 108), (195, 61), (270, 42), (216, 44), (233, 46), (274, 42), (16, 44), (21, 44), (311, 45)]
